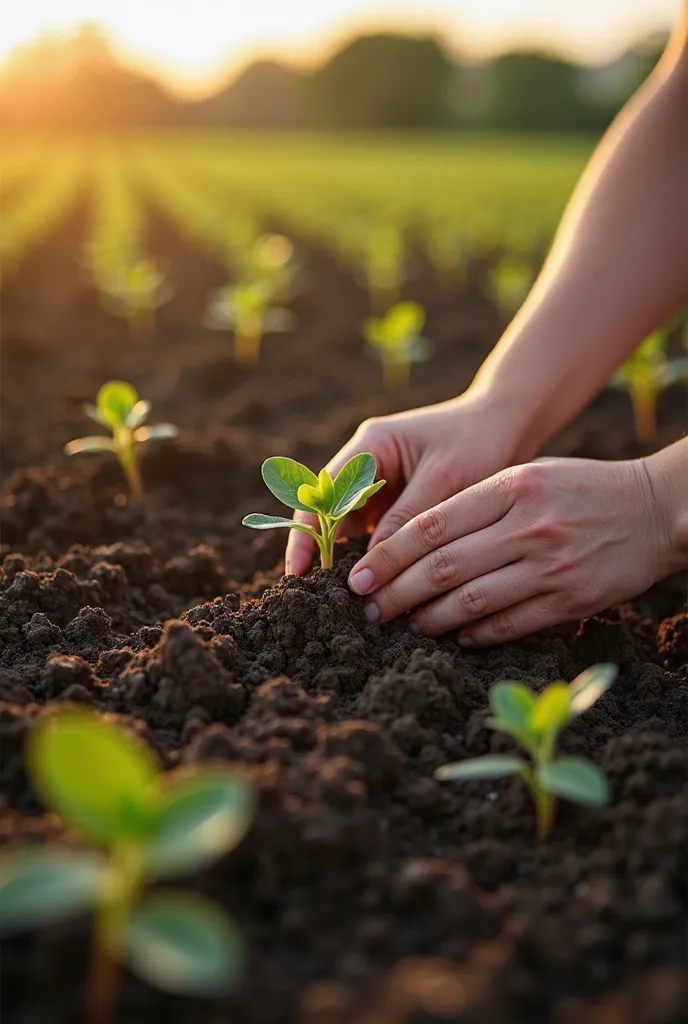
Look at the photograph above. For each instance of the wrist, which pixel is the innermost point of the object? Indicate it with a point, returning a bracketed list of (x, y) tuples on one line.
[(667, 476), (510, 414)]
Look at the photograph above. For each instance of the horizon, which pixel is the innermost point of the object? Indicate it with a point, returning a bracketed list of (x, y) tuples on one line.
[(194, 56)]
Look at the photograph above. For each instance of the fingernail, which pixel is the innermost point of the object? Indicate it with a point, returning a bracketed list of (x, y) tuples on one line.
[(414, 628), (362, 581), (371, 612), (465, 641)]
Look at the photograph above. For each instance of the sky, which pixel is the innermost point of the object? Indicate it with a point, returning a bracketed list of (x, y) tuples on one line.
[(191, 42)]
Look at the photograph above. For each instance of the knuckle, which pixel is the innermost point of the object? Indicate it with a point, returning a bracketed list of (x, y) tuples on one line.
[(547, 528), (385, 557), (505, 627), (527, 482), (442, 478), (430, 527), (473, 599), (443, 568), (371, 429), (399, 516)]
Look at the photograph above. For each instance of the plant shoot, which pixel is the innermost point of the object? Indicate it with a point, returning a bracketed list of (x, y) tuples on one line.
[(396, 340), (535, 722), (644, 376), (331, 500), (143, 825), (248, 309), (119, 409)]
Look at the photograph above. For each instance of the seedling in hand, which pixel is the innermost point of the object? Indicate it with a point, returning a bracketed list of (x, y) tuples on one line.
[(396, 340), (535, 722), (644, 376), (508, 283), (104, 783), (330, 500), (248, 309), (119, 409)]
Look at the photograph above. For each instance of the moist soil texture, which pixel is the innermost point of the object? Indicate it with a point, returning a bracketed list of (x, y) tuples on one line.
[(367, 892)]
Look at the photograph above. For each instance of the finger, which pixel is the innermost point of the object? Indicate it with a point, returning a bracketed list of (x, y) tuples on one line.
[(517, 621), (300, 547), (474, 509), (425, 489), (446, 568), (480, 597)]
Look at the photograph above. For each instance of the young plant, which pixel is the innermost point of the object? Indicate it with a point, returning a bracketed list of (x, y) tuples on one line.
[(119, 409), (644, 376), (508, 283), (272, 259), (248, 309), (144, 825), (384, 259), (535, 722), (330, 500), (134, 291), (396, 340)]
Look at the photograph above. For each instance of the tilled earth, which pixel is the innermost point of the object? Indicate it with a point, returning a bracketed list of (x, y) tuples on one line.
[(368, 893)]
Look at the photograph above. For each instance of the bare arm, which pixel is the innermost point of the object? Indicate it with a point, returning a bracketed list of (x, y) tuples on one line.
[(618, 267)]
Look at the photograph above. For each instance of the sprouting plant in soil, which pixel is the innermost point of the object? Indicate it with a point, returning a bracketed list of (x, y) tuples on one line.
[(535, 722), (272, 259), (331, 500), (508, 283), (143, 825), (397, 341), (134, 289), (249, 310), (644, 375), (119, 409)]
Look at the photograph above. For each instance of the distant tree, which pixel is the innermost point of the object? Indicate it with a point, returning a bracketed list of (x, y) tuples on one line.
[(384, 81), (266, 94), (531, 91)]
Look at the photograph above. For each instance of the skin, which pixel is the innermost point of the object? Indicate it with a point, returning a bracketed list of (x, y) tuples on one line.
[(473, 531)]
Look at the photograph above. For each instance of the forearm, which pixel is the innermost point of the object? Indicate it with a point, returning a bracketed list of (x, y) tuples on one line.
[(617, 269), (667, 473)]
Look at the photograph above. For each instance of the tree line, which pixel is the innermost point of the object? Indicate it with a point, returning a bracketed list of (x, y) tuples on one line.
[(373, 82)]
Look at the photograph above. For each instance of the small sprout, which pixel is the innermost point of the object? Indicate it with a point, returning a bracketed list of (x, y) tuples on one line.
[(272, 259), (396, 340), (508, 284), (134, 288), (331, 500), (144, 825), (119, 409), (247, 309), (644, 376), (535, 722), (384, 259)]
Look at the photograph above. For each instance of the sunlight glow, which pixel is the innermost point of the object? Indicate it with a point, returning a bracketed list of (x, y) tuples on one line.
[(190, 41)]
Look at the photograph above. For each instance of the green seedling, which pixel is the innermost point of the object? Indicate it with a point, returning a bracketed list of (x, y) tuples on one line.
[(248, 309), (535, 722), (396, 340), (330, 500), (272, 260), (508, 284), (644, 376), (119, 409), (143, 825), (134, 290), (384, 259)]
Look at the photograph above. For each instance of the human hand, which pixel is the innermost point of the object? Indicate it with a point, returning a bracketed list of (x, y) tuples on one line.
[(425, 456), (532, 546)]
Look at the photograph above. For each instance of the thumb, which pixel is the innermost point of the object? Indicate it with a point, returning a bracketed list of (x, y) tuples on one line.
[(425, 490), (300, 547)]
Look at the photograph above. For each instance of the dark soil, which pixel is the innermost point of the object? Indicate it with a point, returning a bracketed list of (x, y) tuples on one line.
[(368, 893)]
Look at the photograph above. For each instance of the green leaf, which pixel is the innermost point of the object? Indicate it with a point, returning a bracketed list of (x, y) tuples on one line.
[(326, 487), (159, 432), (38, 887), (183, 943), (97, 777), (354, 476), (138, 415), (492, 766), (312, 499), (90, 444), (258, 521), (202, 816), (552, 709), (405, 320), (590, 685), (575, 779), (512, 704), (360, 499), (115, 402), (284, 477)]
